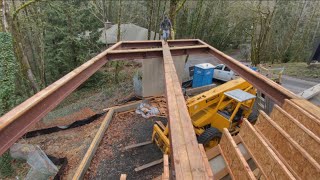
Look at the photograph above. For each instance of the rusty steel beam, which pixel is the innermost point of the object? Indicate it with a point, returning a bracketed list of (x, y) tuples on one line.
[(273, 90), (126, 45), (155, 52), (16, 122)]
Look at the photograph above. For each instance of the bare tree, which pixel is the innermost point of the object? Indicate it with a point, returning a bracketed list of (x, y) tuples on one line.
[(175, 6)]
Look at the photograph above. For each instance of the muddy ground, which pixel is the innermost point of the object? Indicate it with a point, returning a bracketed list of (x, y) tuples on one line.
[(111, 160)]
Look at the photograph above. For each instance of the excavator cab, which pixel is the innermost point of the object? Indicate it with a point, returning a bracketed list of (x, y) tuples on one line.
[(232, 108)]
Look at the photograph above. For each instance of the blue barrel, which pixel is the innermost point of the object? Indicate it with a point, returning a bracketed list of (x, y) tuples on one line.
[(203, 74)]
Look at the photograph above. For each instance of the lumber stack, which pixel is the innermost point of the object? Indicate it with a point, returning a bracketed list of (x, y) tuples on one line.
[(282, 145)]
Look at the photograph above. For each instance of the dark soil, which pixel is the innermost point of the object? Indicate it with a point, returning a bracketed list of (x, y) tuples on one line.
[(111, 160)]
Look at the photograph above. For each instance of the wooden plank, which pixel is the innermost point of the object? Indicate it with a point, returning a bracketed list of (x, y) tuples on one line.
[(145, 166), (295, 156), (308, 106), (213, 152), (123, 177), (303, 136), (238, 164), (137, 145), (165, 174), (269, 162), (187, 160), (206, 161), (311, 92), (305, 118), (84, 165)]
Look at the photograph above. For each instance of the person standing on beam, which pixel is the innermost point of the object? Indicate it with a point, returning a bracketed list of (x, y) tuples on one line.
[(166, 27)]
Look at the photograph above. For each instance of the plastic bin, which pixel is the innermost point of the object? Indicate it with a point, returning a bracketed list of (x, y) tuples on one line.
[(203, 74)]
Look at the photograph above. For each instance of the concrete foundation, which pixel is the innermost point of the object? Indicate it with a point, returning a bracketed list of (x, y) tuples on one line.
[(153, 75)]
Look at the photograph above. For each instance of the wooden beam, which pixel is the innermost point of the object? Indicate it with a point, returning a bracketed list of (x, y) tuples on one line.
[(123, 177), (311, 92), (238, 165), (86, 161), (296, 158), (303, 136), (304, 117), (206, 161), (186, 156), (308, 106), (166, 172), (269, 162), (137, 145), (145, 166)]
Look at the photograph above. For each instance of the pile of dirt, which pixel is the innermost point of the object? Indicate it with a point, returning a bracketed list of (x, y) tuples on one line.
[(111, 160), (65, 120)]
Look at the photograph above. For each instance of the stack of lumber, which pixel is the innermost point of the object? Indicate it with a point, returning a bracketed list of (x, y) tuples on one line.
[(282, 145)]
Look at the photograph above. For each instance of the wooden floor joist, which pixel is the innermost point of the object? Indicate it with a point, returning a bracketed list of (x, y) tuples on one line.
[(299, 133), (145, 166), (269, 162), (166, 171), (186, 155), (238, 165), (85, 163), (304, 117), (308, 106), (297, 160)]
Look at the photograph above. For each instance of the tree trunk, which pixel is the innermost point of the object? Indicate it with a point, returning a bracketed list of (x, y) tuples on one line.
[(4, 17), (118, 39), (119, 23), (150, 5), (30, 74), (175, 6), (156, 27)]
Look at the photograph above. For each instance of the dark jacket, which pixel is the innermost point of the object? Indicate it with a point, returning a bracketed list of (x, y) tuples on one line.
[(166, 24)]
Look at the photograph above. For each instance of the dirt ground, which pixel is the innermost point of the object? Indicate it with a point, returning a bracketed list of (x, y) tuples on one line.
[(111, 160), (70, 143)]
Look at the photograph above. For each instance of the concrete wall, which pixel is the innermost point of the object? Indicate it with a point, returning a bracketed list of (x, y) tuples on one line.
[(153, 75)]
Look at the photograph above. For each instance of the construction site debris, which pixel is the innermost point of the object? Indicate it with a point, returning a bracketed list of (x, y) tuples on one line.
[(137, 145), (147, 110), (41, 166), (153, 163)]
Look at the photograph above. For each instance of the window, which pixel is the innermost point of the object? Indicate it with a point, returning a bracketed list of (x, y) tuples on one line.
[(226, 69), (218, 67)]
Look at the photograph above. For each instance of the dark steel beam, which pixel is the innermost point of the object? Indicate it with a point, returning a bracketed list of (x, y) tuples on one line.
[(273, 90)]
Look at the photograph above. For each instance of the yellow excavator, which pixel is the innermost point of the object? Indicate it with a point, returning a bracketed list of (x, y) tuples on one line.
[(221, 107)]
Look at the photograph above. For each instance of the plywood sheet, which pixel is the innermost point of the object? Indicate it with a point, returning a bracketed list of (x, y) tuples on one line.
[(305, 118), (262, 153), (303, 136), (238, 165), (295, 156)]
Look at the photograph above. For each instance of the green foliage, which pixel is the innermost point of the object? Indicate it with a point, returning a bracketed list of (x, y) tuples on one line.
[(6, 169), (8, 71), (71, 36)]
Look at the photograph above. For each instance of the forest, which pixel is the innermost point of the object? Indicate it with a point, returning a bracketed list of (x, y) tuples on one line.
[(42, 40)]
